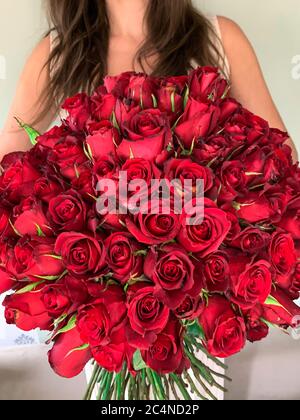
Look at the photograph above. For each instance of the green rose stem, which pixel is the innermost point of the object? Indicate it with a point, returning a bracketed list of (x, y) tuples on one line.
[(92, 383), (152, 383), (167, 387), (193, 386), (182, 386), (172, 384), (106, 386)]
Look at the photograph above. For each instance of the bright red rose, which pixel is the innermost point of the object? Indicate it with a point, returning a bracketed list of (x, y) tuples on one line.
[(290, 221), (207, 237), (102, 140), (233, 179), (251, 284), (225, 331), (67, 212), (54, 136), (216, 273), (34, 259), (173, 274), (55, 299), (207, 83), (27, 311), (283, 256), (63, 359), (147, 316), (257, 330), (141, 169), (213, 150), (122, 257), (82, 255), (30, 219), (78, 108), (145, 134), (199, 121), (102, 105), (166, 354)]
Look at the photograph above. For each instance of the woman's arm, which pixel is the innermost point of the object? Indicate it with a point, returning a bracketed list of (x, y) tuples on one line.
[(26, 104), (248, 83)]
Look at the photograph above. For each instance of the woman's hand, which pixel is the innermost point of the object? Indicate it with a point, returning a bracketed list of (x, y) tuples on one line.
[(248, 83)]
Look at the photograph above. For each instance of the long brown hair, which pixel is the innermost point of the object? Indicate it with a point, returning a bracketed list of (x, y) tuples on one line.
[(177, 33)]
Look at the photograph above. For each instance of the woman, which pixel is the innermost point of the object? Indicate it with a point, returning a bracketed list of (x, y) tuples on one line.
[(101, 37)]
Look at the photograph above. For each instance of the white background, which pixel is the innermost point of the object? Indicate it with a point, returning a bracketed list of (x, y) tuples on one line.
[(270, 369)]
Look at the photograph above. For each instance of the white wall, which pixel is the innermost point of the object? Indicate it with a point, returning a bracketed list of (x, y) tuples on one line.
[(270, 369)]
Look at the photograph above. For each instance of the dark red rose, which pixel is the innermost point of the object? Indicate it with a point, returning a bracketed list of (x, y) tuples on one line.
[(173, 274), (148, 316), (102, 140), (233, 179), (235, 229), (190, 309), (63, 359), (102, 105), (225, 331), (97, 321), (84, 185), (285, 313), (251, 284), (122, 257), (30, 219), (104, 168), (170, 96), (7, 281), (166, 354), (45, 189), (54, 136), (77, 289), (18, 180), (6, 229), (212, 150), (67, 212), (141, 169), (56, 300), (145, 134), (257, 330), (206, 237), (290, 221), (27, 311), (78, 108), (228, 107), (216, 273), (251, 240), (83, 255), (186, 169), (158, 226), (199, 121), (34, 259), (69, 156), (283, 256), (207, 83), (117, 85)]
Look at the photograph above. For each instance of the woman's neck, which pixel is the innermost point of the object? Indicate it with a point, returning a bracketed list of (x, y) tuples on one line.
[(127, 17)]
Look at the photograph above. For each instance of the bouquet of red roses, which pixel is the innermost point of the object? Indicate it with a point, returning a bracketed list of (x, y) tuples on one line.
[(158, 222)]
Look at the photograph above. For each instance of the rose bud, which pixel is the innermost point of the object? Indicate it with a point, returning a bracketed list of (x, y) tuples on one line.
[(257, 330), (82, 255), (173, 274), (78, 108), (55, 300), (207, 83), (67, 212), (147, 316), (225, 331), (34, 259), (63, 359), (122, 257), (27, 311), (166, 354)]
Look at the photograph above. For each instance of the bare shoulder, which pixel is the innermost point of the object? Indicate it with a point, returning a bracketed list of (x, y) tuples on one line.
[(233, 36), (39, 56)]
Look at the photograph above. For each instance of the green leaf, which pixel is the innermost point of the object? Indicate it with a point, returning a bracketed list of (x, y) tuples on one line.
[(269, 324), (141, 253), (70, 326), (273, 302), (114, 121), (81, 348), (138, 362), (196, 330), (186, 97), (155, 103), (39, 231), (55, 257), (29, 288), (31, 132), (48, 278)]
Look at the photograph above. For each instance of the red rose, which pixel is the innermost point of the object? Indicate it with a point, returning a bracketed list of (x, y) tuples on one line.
[(207, 237), (102, 140), (102, 105), (122, 258), (141, 169), (56, 300), (34, 259), (54, 136), (78, 108), (147, 316), (190, 308), (250, 284), (156, 227), (199, 120), (6, 229), (83, 255), (67, 212), (18, 180), (257, 330), (225, 331), (290, 220), (213, 150), (186, 169), (207, 83), (7, 281), (166, 354), (45, 189), (27, 311), (30, 219), (283, 255), (77, 289), (173, 274), (104, 168), (233, 179), (251, 240), (170, 96), (216, 273), (63, 359), (145, 134), (284, 314)]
